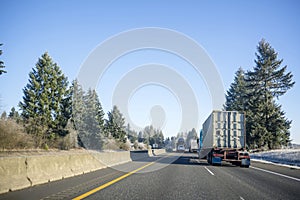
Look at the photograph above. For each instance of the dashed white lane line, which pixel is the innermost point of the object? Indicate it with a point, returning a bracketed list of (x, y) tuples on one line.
[(209, 171), (275, 173), (241, 198)]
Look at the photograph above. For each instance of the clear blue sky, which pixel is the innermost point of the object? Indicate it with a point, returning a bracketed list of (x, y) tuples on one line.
[(229, 31)]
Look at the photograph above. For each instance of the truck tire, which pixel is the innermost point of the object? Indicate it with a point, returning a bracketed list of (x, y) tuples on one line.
[(209, 158)]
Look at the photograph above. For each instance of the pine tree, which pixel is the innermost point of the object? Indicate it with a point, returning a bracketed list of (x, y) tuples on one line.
[(44, 105), (266, 123), (131, 134), (77, 111), (153, 136), (115, 124), (13, 114), (159, 138), (1, 63), (87, 117), (77, 94), (235, 97), (140, 137), (256, 92), (192, 135), (93, 120), (99, 111)]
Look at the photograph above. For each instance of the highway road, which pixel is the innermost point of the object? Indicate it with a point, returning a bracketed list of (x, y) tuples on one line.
[(172, 176)]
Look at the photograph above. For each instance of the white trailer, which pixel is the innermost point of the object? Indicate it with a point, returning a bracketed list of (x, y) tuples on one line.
[(223, 138), (193, 146)]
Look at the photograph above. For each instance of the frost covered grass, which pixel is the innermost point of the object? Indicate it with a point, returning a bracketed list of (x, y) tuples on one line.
[(290, 157)]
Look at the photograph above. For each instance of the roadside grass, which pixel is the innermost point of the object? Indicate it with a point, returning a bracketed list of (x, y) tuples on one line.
[(13, 136)]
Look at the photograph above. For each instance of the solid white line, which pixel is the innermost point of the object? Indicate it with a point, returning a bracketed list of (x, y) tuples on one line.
[(209, 171), (278, 174), (278, 164)]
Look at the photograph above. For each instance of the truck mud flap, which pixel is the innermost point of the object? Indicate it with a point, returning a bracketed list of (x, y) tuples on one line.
[(216, 161), (245, 162)]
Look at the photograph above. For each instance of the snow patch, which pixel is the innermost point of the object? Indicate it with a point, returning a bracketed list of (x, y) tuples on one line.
[(283, 157)]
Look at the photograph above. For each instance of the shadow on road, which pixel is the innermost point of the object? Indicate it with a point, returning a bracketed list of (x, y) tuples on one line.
[(173, 158), (190, 159), (139, 155)]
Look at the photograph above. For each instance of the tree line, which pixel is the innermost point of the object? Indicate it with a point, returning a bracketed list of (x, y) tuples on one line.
[(256, 92), (58, 114), (51, 111)]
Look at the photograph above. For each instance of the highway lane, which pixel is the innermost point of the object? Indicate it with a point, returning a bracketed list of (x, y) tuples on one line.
[(171, 177), (189, 178)]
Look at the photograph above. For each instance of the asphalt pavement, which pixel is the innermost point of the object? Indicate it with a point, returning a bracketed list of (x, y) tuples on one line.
[(172, 176)]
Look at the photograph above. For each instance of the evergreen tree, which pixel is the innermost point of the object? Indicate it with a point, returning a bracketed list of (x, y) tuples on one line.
[(153, 136), (131, 134), (192, 135), (77, 111), (140, 137), (93, 120), (87, 117), (115, 124), (268, 75), (44, 105), (256, 93), (236, 95), (159, 138), (168, 144), (1, 63), (149, 131), (13, 114), (268, 81), (238, 99), (63, 111), (99, 111)]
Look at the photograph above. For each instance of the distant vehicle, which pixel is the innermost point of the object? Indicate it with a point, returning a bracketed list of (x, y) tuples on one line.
[(155, 146), (180, 145), (193, 146), (181, 148), (223, 138)]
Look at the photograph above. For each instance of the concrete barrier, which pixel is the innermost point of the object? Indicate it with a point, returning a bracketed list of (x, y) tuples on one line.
[(84, 163), (21, 171), (150, 152), (156, 152), (13, 174), (41, 169), (18, 172), (109, 159)]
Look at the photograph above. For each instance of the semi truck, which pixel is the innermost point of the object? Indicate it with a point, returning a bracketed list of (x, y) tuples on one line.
[(223, 138), (193, 145)]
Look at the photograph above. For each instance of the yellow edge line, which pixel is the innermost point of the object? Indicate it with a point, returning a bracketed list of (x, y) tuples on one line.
[(111, 182)]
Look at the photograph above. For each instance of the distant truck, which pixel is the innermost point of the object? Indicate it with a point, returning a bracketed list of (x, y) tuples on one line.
[(193, 145), (180, 145), (223, 138)]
